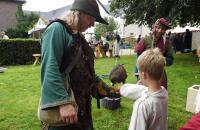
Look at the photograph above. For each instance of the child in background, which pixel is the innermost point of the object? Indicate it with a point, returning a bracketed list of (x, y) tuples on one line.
[(150, 109)]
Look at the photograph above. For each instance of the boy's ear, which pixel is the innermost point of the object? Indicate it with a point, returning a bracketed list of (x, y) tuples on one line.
[(143, 75)]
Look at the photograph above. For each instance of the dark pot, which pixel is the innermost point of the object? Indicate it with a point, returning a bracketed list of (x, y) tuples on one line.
[(110, 103)]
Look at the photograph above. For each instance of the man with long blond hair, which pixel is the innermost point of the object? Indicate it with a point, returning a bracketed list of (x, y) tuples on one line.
[(62, 41)]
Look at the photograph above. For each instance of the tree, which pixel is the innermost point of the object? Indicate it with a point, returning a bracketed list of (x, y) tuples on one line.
[(102, 28), (24, 23), (179, 12)]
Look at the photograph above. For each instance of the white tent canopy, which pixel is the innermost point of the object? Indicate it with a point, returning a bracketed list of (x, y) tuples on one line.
[(179, 29), (38, 26)]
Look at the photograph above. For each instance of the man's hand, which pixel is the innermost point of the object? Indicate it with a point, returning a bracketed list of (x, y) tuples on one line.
[(68, 113), (114, 92)]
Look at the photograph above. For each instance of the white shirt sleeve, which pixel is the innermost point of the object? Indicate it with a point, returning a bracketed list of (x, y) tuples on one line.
[(132, 91)]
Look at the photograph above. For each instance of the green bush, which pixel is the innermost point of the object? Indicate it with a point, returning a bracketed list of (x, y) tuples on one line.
[(18, 51), (16, 33)]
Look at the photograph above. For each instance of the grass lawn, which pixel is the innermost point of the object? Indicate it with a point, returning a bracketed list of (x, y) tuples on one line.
[(20, 91)]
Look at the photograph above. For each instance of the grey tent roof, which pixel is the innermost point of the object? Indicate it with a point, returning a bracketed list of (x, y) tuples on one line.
[(57, 13), (53, 14)]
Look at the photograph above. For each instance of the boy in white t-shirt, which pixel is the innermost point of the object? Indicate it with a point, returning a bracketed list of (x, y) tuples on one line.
[(150, 109), (4, 36)]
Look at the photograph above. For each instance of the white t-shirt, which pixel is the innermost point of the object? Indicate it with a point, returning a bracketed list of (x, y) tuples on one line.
[(104, 40), (5, 37), (150, 110)]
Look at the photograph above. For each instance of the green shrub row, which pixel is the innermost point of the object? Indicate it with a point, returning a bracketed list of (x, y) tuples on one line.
[(18, 51)]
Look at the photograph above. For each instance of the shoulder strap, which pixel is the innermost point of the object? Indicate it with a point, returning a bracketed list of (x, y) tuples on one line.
[(65, 74), (61, 22), (73, 63)]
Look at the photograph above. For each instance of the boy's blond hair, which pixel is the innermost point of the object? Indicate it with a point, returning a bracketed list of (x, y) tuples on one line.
[(152, 62)]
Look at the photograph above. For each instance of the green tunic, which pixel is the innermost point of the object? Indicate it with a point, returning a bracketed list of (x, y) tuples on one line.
[(53, 41)]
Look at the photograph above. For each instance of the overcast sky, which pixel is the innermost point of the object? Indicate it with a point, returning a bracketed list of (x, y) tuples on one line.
[(47, 5)]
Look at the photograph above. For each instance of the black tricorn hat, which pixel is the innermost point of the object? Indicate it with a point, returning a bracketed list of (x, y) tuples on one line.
[(89, 7)]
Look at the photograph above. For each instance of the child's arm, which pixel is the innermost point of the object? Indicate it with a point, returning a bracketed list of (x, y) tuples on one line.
[(132, 91)]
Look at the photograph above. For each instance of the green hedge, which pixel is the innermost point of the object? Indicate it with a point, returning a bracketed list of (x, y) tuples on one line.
[(18, 51)]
